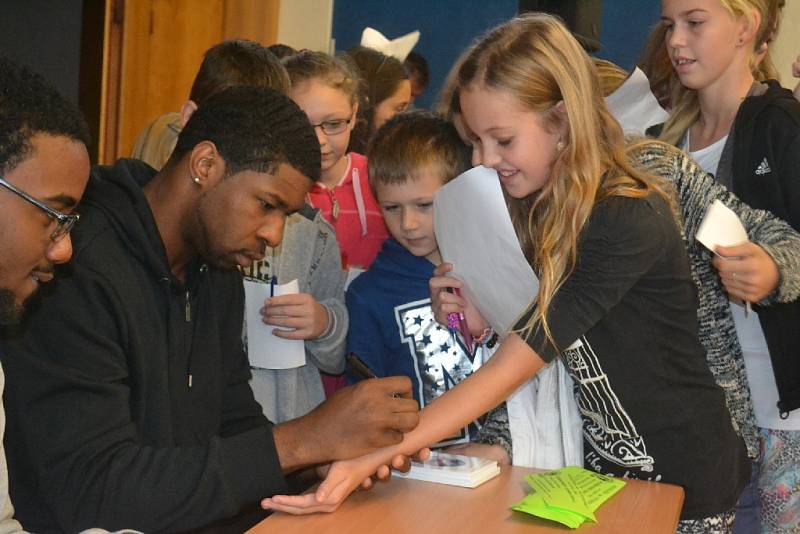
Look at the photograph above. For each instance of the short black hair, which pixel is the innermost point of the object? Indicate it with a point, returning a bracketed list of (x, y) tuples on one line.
[(237, 62), (253, 128), (416, 64), (414, 141), (381, 76), (28, 106)]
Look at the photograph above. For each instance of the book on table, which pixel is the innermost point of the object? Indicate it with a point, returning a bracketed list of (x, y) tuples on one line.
[(453, 469)]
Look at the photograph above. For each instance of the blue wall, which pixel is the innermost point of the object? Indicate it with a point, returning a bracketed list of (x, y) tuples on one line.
[(448, 26), (624, 27)]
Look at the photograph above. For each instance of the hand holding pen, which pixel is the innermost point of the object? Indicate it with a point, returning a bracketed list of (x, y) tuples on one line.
[(457, 322), (444, 302)]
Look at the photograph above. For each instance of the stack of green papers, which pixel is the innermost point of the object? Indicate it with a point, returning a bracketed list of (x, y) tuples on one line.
[(569, 495)]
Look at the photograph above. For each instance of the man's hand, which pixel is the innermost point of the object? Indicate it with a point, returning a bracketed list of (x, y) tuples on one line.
[(341, 479), (299, 311), (747, 272), (356, 420), (400, 463)]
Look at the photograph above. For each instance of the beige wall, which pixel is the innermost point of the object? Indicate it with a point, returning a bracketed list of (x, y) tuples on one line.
[(306, 24), (787, 46)]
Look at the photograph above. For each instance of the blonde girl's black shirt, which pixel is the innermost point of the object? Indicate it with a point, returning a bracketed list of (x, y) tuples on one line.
[(625, 325)]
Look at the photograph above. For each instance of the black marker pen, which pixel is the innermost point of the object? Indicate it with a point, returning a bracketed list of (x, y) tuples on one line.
[(360, 367)]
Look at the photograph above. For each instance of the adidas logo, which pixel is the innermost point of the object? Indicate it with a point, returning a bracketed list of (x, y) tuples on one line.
[(763, 167)]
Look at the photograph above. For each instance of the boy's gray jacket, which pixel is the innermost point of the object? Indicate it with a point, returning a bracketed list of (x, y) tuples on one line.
[(309, 252)]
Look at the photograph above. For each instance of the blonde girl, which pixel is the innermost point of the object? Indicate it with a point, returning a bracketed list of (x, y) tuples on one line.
[(615, 299), (326, 88), (747, 133)]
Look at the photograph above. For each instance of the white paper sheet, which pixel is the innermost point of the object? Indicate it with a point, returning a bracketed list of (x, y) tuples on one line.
[(721, 226), (475, 234), (634, 105), (264, 349)]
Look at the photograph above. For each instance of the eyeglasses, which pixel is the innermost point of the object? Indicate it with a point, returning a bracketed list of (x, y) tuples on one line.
[(333, 127), (64, 222)]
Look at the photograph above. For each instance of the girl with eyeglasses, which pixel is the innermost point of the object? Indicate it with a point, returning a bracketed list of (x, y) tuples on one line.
[(327, 89)]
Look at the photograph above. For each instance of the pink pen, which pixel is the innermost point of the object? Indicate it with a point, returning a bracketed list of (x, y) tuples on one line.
[(457, 320)]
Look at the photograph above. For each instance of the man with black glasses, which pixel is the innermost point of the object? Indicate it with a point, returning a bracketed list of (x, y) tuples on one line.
[(44, 166)]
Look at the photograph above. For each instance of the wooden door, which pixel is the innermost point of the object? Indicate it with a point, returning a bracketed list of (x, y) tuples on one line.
[(153, 49)]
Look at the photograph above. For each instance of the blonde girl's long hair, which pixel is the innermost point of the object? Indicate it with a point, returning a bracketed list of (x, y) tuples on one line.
[(536, 59), (686, 106)]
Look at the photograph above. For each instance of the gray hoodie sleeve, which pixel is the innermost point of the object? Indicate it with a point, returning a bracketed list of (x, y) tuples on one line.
[(327, 286)]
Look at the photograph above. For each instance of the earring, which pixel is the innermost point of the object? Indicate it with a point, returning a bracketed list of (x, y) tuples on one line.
[(196, 179), (560, 145)]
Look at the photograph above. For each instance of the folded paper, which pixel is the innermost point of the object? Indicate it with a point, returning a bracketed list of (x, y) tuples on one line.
[(569, 495), (265, 350), (721, 226)]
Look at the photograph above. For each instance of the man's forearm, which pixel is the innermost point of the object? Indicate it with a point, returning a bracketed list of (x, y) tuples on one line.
[(298, 445)]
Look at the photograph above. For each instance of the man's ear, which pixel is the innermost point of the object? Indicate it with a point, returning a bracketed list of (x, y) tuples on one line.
[(187, 109), (206, 166)]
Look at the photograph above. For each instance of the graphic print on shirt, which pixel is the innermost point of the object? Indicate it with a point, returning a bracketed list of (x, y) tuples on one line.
[(607, 428), (438, 360)]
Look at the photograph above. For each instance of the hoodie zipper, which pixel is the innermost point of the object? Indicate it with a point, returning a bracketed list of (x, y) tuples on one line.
[(188, 317)]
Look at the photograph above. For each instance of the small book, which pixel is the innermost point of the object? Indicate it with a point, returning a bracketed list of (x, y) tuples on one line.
[(453, 469)]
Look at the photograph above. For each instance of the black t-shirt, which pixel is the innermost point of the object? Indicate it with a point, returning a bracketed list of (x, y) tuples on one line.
[(625, 322)]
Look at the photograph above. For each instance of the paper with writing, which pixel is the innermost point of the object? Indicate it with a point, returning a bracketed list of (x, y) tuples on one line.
[(569, 495)]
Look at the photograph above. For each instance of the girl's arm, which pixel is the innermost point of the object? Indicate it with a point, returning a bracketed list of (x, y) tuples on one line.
[(768, 266), (512, 364)]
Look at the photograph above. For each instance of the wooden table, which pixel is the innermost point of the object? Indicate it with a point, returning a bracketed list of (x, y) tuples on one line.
[(410, 506)]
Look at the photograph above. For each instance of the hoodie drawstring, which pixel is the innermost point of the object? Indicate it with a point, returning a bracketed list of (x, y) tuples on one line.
[(362, 211)]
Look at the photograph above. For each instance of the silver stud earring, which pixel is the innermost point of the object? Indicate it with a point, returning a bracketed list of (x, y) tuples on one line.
[(560, 145)]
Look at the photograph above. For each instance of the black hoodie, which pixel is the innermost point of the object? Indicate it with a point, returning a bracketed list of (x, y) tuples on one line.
[(128, 398), (766, 175)]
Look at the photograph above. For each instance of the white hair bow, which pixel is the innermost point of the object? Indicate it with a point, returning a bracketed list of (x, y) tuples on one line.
[(398, 48)]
